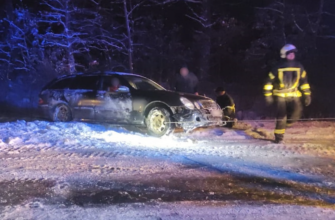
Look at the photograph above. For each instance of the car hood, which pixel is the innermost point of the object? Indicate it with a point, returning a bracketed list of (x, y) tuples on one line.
[(193, 97), (189, 96), (172, 98)]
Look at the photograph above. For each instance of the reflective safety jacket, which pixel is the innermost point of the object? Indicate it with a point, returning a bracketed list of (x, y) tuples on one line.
[(288, 79), (225, 101)]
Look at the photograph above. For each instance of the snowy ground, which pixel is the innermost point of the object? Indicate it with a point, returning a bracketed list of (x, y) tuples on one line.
[(89, 171)]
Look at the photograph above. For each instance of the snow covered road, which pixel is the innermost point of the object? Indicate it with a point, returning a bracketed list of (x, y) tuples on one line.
[(80, 170)]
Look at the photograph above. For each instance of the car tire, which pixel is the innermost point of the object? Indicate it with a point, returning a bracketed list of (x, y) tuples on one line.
[(61, 113), (159, 121)]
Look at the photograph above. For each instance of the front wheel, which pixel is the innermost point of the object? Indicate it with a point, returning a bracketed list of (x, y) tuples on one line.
[(159, 122), (61, 113)]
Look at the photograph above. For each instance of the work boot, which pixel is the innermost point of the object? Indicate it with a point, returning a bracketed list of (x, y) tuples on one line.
[(279, 139), (278, 142)]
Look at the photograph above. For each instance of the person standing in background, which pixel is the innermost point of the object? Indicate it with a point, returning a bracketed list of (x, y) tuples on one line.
[(186, 82)]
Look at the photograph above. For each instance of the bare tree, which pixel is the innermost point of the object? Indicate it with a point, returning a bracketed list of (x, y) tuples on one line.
[(70, 31), (161, 50), (105, 33), (20, 55), (120, 36), (20, 49), (129, 8), (127, 15), (201, 13), (61, 37), (315, 20), (211, 21), (73, 30), (282, 22)]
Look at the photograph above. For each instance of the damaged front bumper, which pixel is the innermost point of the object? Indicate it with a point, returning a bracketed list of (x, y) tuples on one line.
[(191, 119)]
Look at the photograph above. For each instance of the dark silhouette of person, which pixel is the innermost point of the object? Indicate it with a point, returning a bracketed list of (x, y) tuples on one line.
[(226, 103), (186, 82)]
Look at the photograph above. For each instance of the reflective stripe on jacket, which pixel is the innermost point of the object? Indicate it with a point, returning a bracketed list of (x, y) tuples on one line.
[(288, 79)]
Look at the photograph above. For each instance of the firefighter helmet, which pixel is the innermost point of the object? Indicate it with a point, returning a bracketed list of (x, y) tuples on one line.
[(286, 49)]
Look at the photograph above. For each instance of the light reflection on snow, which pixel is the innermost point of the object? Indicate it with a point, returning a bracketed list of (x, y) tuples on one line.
[(139, 140), (210, 149)]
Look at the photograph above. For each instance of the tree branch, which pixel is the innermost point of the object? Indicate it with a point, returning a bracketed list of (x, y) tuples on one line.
[(270, 9)]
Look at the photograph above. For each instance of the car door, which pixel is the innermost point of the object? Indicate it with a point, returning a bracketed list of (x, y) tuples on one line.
[(82, 96), (114, 106)]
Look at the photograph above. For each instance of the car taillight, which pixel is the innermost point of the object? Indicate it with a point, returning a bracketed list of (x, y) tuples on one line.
[(40, 101)]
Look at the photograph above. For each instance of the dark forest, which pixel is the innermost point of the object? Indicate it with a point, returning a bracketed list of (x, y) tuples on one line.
[(233, 43)]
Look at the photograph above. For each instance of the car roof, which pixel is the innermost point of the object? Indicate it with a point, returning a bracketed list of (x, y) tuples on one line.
[(101, 73)]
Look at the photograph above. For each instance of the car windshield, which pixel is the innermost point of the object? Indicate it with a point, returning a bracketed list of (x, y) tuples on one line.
[(141, 83)]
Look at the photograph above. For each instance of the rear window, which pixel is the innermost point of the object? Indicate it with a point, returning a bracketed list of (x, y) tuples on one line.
[(62, 84), (85, 82)]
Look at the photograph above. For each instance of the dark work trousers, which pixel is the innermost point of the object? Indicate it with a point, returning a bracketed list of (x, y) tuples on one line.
[(229, 115), (288, 111)]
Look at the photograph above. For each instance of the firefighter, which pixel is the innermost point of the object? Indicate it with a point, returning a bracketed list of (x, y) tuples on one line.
[(286, 86), (226, 103)]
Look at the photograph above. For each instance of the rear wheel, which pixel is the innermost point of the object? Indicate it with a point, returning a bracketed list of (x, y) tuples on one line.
[(159, 122), (61, 113)]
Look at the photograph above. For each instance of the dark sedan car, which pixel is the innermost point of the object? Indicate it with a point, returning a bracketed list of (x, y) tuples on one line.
[(136, 100)]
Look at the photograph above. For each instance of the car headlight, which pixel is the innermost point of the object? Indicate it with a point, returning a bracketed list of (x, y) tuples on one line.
[(196, 104), (187, 103)]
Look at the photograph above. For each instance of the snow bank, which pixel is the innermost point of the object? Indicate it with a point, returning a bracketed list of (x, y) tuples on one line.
[(244, 149), (168, 211)]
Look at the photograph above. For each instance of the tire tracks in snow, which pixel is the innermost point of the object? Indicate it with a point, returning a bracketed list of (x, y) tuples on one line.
[(68, 144)]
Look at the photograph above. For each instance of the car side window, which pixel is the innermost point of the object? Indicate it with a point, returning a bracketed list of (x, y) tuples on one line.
[(140, 83), (62, 84), (108, 82), (85, 82), (143, 85)]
